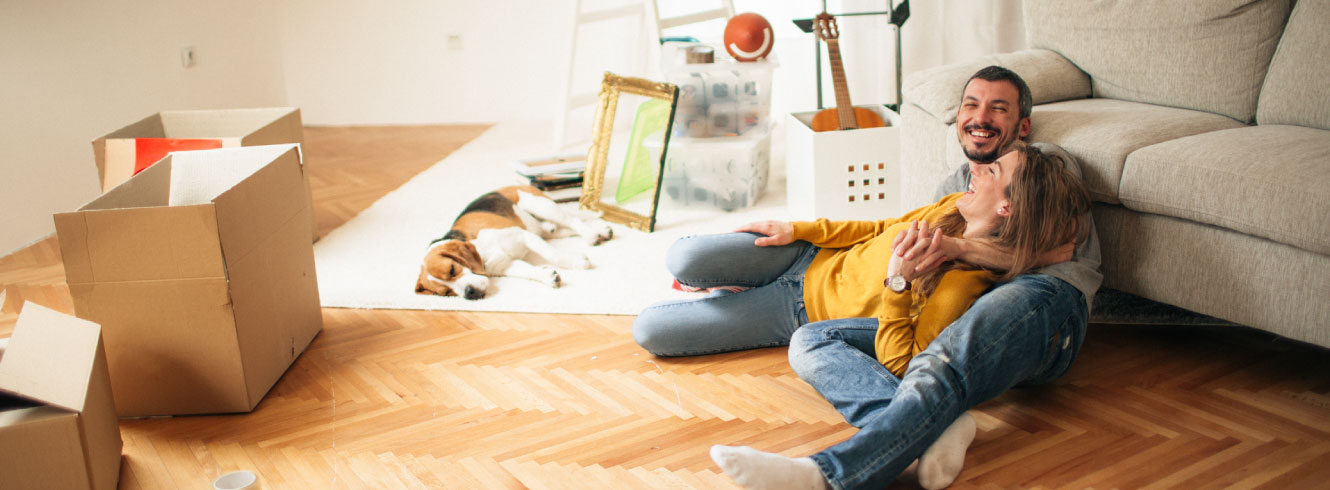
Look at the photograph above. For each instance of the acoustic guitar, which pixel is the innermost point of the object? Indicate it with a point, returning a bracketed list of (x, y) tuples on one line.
[(845, 115)]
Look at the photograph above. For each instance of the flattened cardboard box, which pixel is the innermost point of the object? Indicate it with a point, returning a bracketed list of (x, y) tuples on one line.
[(58, 428), (123, 152), (201, 272)]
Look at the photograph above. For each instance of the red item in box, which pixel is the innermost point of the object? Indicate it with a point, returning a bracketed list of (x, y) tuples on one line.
[(148, 151)]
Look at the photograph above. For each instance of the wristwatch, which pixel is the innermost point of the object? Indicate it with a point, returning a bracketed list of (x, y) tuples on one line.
[(897, 283)]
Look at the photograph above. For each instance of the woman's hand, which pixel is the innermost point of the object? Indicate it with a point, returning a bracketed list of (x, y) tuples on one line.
[(777, 232), (915, 251)]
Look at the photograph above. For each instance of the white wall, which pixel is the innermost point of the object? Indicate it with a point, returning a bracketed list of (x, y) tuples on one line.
[(430, 61), (356, 62), (73, 70)]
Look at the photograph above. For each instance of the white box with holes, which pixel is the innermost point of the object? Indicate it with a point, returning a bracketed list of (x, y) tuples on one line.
[(842, 175)]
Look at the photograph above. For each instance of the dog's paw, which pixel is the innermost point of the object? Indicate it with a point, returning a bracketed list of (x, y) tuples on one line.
[(550, 277), (573, 261), (600, 232)]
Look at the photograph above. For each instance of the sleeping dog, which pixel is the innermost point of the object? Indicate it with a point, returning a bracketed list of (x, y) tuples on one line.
[(495, 233)]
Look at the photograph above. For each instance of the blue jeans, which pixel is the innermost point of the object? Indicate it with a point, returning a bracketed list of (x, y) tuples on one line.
[(1025, 331), (764, 316)]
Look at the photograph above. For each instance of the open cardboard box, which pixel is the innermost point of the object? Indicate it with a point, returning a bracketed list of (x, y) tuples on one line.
[(58, 427), (128, 150), (201, 273)]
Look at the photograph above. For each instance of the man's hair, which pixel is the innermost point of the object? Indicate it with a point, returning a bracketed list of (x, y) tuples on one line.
[(994, 73)]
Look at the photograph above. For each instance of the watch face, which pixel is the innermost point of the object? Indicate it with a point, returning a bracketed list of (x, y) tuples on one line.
[(897, 283)]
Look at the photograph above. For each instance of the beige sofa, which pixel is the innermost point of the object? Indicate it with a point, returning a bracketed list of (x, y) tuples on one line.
[(1203, 129)]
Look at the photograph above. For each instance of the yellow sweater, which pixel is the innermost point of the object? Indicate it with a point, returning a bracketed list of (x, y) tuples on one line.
[(845, 281)]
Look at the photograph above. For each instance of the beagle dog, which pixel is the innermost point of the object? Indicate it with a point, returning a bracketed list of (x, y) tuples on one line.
[(495, 233)]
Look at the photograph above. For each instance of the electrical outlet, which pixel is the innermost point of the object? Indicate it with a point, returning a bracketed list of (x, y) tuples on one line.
[(187, 56), (454, 42)]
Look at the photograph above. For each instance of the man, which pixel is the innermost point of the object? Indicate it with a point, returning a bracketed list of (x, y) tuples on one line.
[(1025, 331)]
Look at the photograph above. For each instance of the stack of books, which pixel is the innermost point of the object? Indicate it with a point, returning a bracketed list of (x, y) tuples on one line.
[(559, 176)]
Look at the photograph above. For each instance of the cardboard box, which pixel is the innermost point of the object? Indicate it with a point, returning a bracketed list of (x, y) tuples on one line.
[(58, 428), (842, 175), (128, 150), (201, 272)]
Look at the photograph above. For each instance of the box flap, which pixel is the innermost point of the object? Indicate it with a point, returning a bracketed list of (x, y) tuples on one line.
[(198, 177), (150, 187), (148, 127), (286, 128), (263, 202), (51, 357), (140, 244), (220, 122)]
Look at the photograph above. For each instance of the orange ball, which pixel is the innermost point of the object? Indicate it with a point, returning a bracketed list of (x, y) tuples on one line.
[(748, 37)]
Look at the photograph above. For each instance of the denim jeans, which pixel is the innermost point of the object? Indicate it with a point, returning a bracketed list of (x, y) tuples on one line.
[(1025, 331), (764, 316)]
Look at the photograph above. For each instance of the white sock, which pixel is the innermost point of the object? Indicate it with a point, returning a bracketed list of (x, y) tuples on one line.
[(942, 462), (756, 470)]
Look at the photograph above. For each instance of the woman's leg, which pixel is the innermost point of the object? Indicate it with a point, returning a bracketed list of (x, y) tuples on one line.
[(730, 259), (836, 357), (764, 316)]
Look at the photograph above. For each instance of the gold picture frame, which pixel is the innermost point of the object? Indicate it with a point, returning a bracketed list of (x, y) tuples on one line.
[(606, 133)]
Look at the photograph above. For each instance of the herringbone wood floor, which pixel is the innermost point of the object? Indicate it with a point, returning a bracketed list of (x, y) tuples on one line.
[(411, 399)]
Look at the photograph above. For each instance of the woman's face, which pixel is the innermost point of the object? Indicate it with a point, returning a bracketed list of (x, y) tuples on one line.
[(986, 203)]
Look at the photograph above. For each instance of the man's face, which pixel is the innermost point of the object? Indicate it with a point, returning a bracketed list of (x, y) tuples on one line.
[(989, 120)]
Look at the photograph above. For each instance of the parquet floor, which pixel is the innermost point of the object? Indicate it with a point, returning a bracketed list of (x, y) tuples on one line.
[(412, 399)]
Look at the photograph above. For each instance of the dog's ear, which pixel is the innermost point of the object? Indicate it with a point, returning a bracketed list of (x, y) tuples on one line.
[(420, 282), (420, 286), (468, 256)]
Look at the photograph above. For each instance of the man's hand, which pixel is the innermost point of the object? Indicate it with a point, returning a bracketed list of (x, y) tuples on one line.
[(777, 232)]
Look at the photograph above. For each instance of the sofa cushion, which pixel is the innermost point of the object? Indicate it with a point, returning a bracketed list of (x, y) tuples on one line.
[(1267, 181), (1050, 76), (1102, 132), (1209, 56), (1296, 88)]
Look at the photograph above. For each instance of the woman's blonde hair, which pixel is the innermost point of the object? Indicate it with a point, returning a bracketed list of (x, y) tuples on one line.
[(1048, 207)]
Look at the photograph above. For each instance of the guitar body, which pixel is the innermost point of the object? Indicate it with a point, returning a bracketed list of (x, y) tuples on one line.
[(828, 120)]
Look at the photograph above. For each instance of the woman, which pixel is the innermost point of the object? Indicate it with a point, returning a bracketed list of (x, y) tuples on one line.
[(1026, 202)]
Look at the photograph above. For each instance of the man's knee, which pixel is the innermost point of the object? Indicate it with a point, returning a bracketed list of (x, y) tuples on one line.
[(802, 344)]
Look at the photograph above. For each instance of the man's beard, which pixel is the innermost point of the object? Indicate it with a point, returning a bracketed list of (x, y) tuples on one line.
[(990, 156)]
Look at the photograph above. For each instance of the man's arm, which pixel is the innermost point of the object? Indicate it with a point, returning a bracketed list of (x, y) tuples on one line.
[(981, 253)]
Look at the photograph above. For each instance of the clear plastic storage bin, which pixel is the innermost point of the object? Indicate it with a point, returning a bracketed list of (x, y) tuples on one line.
[(727, 173)]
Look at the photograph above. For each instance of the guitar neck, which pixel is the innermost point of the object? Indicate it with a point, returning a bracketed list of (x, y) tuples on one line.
[(844, 109)]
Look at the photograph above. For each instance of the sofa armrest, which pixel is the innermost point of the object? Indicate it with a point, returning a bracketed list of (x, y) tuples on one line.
[(1051, 78)]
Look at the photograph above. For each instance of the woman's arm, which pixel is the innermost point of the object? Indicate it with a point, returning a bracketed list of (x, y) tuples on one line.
[(901, 336), (833, 234)]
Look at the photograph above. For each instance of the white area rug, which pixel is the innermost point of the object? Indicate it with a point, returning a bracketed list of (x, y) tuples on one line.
[(372, 260)]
